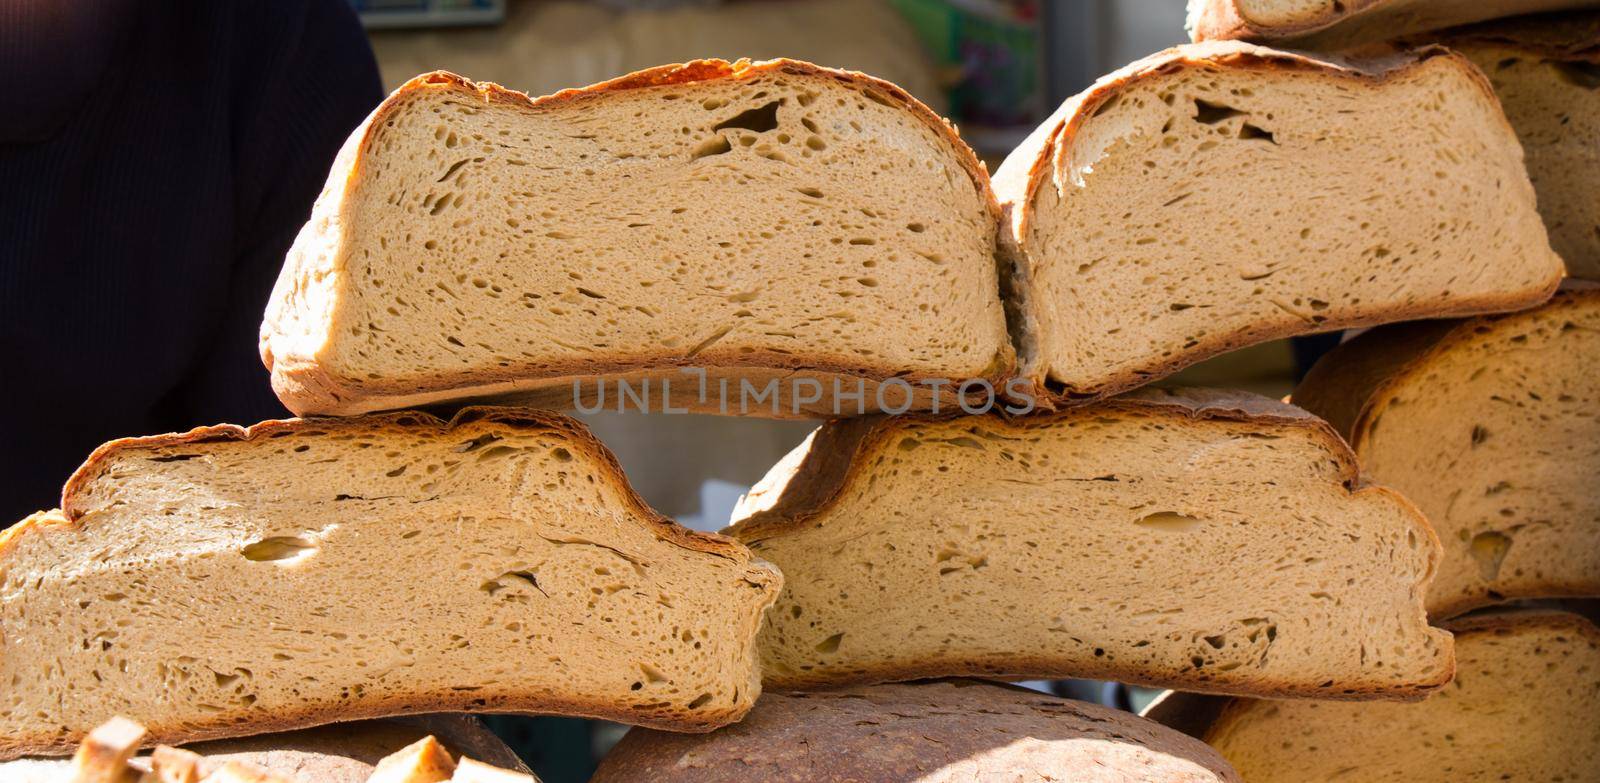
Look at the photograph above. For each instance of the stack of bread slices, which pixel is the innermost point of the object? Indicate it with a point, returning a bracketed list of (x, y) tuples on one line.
[(997, 493)]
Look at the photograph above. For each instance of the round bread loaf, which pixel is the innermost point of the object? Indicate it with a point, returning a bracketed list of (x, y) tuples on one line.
[(929, 732)]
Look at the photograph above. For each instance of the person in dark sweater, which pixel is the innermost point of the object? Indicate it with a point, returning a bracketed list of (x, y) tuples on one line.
[(156, 161)]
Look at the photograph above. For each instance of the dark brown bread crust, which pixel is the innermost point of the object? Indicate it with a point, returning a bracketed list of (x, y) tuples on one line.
[(1032, 164), (307, 387), (914, 732)]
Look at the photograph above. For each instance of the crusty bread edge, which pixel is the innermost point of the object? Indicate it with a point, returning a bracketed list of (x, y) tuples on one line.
[(1220, 20), (1034, 162), (757, 572), (814, 485), (1203, 717), (306, 386), (523, 419), (835, 459)]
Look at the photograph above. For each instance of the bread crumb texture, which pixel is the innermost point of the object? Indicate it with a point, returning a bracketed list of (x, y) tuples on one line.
[(1492, 431), (1218, 195), (341, 569), (1521, 707), (936, 732), (1186, 539), (1546, 71), (769, 215)]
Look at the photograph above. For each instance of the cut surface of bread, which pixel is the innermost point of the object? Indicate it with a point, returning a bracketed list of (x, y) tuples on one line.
[(1522, 707), (1218, 195), (356, 752), (232, 581), (935, 732), (1546, 71), (1203, 540), (1334, 24), (773, 217), (1492, 427)]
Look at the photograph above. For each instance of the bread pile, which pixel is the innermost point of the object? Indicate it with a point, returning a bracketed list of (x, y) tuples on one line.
[(698, 230)]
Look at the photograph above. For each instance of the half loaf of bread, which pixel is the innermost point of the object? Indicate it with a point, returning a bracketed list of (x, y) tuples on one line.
[(1337, 24), (1546, 71), (1193, 539), (1522, 707), (1489, 425), (341, 753), (774, 219), (936, 732), (1217, 195), (232, 581)]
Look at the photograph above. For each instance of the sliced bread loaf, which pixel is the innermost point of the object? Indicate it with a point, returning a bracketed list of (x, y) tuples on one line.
[(1333, 24), (1217, 195), (342, 753), (231, 581), (1546, 70), (766, 219), (1522, 707), (1202, 540), (935, 732), (1489, 426)]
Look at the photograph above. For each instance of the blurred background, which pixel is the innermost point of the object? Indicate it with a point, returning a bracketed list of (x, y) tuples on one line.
[(996, 68)]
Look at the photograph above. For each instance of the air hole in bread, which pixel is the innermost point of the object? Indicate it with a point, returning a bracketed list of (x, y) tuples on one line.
[(717, 145), (174, 457), (1579, 74), (279, 549), (1249, 131), (1171, 522), (1489, 550), (830, 644), (760, 119), (1209, 113)]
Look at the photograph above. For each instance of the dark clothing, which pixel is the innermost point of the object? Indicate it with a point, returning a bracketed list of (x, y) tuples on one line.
[(156, 161)]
